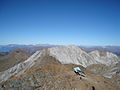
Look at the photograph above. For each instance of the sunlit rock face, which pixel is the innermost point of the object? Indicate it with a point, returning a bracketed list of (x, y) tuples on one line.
[(75, 55), (65, 55), (106, 58), (71, 54)]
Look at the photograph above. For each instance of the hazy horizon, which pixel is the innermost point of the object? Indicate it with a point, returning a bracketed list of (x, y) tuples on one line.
[(60, 22), (59, 44)]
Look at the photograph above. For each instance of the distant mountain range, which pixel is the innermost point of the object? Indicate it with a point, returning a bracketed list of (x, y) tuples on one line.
[(33, 48), (28, 48), (113, 49)]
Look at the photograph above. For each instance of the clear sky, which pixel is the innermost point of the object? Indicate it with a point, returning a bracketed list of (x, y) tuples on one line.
[(79, 22)]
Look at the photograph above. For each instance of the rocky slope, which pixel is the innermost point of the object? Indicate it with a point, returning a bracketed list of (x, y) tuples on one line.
[(111, 72), (63, 55), (57, 77), (106, 58), (15, 57)]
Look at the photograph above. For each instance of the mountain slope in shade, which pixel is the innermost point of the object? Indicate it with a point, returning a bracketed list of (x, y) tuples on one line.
[(15, 57), (2, 54), (64, 55)]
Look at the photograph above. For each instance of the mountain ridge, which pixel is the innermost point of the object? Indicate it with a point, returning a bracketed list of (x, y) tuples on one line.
[(64, 54)]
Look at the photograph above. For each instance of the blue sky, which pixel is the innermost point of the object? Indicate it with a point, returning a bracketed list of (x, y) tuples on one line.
[(79, 22)]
